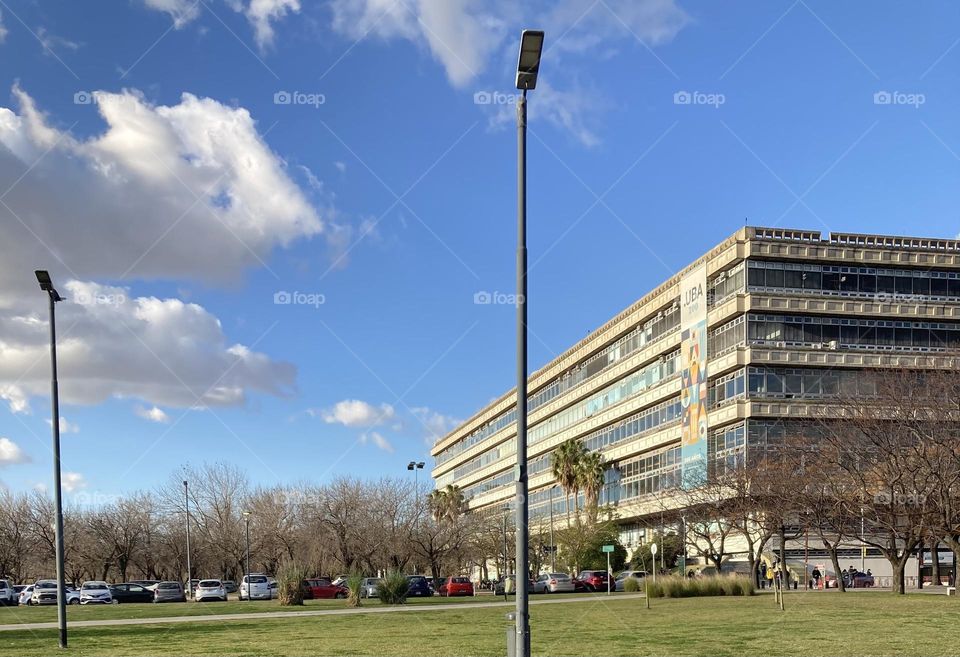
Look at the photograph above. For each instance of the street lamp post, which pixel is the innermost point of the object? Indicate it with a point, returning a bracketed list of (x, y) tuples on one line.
[(506, 556), (186, 500), (416, 467), (553, 545), (528, 67), (246, 520), (46, 284)]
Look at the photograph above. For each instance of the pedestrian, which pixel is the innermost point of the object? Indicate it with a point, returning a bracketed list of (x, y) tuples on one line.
[(816, 577), (770, 573), (763, 574)]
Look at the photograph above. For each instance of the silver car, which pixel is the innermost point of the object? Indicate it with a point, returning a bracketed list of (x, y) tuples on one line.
[(554, 583), (210, 589), (7, 594), (368, 589), (255, 586), (168, 592), (629, 574)]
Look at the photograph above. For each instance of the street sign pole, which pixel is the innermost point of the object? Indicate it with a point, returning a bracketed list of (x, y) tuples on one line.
[(608, 549), (653, 552)]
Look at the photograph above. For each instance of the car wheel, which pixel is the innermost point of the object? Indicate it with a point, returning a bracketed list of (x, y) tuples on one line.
[(340, 596), (74, 602)]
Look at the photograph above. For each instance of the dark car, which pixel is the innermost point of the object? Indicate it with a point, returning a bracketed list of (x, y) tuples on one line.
[(498, 587), (230, 586), (146, 583), (419, 587), (130, 592), (595, 580)]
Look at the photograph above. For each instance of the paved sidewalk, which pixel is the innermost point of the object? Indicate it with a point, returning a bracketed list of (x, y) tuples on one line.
[(320, 612)]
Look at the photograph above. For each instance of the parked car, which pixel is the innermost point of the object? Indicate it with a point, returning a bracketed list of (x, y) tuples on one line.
[(255, 586), (618, 584), (210, 589), (145, 583), (454, 586), (45, 593), (274, 587), (169, 592), (341, 580), (25, 595), (594, 580), (369, 587), (230, 586), (321, 588), (498, 588), (17, 590), (419, 587), (192, 586), (95, 592), (130, 592), (554, 583), (8, 595)]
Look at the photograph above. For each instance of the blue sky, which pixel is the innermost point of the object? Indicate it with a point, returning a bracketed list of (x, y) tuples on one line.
[(148, 161)]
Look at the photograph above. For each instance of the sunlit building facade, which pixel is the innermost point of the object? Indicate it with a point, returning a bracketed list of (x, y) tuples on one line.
[(743, 346)]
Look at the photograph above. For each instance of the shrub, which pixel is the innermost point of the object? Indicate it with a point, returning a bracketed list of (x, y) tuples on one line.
[(631, 585), (355, 584), (290, 576), (674, 586), (392, 590)]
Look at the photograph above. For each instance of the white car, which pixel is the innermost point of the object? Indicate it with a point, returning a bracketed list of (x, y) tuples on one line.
[(554, 583), (95, 592), (210, 589), (7, 595), (255, 586), (628, 574), (25, 595), (45, 593)]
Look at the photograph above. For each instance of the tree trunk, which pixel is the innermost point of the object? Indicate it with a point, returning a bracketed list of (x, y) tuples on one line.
[(935, 562), (835, 560), (899, 566), (783, 558)]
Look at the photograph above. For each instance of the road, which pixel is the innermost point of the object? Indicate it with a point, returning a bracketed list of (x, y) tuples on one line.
[(551, 600)]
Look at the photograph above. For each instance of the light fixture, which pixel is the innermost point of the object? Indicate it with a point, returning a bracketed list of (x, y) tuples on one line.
[(528, 64)]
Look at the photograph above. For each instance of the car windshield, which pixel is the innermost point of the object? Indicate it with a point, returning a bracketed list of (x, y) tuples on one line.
[(209, 584), (168, 585), (461, 580), (257, 579), (46, 585), (559, 576), (88, 586), (416, 579)]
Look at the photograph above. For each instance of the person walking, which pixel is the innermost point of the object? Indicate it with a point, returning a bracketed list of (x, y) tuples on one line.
[(816, 574), (763, 574)]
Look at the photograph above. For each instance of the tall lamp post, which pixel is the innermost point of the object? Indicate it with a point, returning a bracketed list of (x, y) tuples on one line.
[(186, 500), (528, 67), (46, 284), (246, 520), (416, 467)]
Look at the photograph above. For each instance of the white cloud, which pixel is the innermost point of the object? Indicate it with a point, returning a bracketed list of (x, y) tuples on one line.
[(153, 414), (66, 426), (261, 14), (184, 191), (435, 424), (378, 440), (589, 26), (181, 11), (3, 30), (161, 351), (52, 42), (341, 166), (10, 453), (72, 481), (357, 413), (460, 34)]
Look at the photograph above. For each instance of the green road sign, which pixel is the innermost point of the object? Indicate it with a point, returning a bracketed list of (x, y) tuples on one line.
[(608, 548)]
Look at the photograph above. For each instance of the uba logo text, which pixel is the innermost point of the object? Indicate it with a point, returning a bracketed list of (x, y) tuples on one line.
[(693, 296)]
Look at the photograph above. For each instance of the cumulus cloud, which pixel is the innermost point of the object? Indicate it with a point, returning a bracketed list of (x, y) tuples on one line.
[(181, 11), (587, 25), (11, 454), (436, 424), (72, 481), (261, 14), (357, 413), (378, 440), (153, 414), (66, 426), (161, 351), (187, 191)]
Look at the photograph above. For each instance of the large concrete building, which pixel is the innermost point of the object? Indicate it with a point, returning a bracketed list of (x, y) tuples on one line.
[(742, 346)]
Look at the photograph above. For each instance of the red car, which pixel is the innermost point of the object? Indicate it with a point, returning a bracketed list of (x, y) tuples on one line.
[(594, 580), (321, 587), (456, 586)]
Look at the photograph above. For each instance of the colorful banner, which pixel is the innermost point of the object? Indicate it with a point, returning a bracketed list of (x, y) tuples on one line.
[(693, 376)]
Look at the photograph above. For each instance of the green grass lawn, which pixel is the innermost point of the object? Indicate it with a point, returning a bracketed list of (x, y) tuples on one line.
[(813, 624)]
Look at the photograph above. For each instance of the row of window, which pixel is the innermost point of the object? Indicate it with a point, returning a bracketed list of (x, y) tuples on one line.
[(808, 383), (725, 284), (853, 281), (486, 458), (853, 332)]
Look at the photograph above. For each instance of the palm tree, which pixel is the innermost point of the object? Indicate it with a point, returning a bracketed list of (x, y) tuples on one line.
[(564, 464), (437, 503), (591, 475), (454, 502)]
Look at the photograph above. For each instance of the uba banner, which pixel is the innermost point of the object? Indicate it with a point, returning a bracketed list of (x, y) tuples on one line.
[(693, 376)]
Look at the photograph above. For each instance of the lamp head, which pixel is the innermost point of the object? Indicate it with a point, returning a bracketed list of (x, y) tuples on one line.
[(46, 284), (528, 63)]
